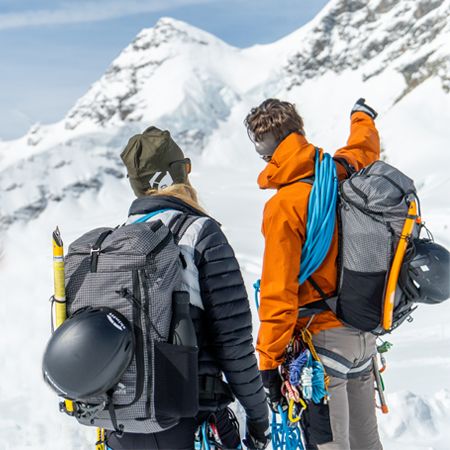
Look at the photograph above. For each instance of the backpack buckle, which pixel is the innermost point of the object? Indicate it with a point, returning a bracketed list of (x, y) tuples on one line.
[(95, 250)]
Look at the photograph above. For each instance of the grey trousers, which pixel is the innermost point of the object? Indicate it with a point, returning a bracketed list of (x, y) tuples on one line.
[(347, 354)]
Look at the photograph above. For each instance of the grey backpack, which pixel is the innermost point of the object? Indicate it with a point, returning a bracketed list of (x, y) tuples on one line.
[(372, 209), (374, 205), (135, 270)]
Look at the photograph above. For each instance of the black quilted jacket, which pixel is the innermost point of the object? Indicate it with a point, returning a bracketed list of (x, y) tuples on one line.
[(224, 327)]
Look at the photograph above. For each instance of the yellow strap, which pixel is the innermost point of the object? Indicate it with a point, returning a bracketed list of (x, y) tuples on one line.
[(100, 444)]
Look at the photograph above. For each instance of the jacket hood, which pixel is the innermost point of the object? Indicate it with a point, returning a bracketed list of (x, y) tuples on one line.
[(292, 160), (150, 203)]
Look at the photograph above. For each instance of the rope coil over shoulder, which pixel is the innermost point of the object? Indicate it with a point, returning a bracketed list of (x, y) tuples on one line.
[(321, 216)]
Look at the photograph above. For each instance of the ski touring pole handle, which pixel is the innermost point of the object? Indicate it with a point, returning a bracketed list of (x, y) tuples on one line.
[(58, 277)]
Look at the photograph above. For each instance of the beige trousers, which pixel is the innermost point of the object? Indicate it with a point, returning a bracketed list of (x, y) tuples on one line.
[(346, 354)]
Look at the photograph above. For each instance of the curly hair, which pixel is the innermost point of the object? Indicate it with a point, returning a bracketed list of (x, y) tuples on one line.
[(273, 116)]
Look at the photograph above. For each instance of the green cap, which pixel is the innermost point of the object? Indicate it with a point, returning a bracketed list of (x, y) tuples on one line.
[(149, 158)]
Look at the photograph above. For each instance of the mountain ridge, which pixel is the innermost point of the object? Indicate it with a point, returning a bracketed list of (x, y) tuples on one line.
[(179, 77)]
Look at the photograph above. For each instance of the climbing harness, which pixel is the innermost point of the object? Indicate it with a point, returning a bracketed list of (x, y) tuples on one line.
[(304, 381)]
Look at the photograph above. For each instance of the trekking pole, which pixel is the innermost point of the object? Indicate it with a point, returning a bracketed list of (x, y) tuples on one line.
[(379, 386)]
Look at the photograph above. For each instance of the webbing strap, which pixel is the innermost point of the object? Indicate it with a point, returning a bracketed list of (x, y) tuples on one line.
[(179, 225), (322, 294), (112, 414), (347, 166), (96, 248)]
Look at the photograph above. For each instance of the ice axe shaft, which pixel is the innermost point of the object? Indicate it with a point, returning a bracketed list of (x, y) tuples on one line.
[(379, 386), (59, 295)]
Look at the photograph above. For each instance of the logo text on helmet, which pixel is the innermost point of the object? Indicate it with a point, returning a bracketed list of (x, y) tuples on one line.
[(116, 322)]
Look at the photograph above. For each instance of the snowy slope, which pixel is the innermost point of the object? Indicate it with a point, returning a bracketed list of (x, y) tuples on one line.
[(394, 53)]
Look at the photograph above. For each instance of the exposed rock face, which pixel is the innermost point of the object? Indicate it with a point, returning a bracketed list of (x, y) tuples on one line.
[(413, 35), (183, 79), (132, 87)]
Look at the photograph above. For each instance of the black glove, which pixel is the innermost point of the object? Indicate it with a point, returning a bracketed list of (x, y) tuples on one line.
[(360, 105), (257, 434), (272, 385)]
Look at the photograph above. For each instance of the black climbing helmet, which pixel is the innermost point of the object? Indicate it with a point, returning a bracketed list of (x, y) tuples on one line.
[(425, 275), (88, 354)]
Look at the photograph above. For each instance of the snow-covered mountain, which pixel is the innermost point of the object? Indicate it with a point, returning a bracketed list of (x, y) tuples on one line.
[(395, 53)]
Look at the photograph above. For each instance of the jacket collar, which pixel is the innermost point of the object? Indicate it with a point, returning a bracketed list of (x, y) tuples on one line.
[(292, 160), (150, 203)]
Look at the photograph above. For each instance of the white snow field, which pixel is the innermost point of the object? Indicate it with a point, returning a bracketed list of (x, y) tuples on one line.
[(396, 54)]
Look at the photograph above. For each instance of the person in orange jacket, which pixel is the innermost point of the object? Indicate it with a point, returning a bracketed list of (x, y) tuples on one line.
[(348, 420)]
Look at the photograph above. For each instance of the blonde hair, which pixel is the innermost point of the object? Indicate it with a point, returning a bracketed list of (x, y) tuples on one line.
[(182, 191), (273, 116)]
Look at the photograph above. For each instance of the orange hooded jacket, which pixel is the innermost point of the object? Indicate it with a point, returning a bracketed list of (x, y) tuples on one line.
[(284, 230)]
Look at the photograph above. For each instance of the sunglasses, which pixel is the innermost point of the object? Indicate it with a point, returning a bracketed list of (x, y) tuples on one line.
[(186, 162)]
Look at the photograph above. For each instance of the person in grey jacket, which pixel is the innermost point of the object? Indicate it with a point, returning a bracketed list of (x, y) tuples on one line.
[(219, 304)]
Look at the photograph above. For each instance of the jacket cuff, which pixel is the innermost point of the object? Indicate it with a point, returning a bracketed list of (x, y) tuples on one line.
[(270, 377)]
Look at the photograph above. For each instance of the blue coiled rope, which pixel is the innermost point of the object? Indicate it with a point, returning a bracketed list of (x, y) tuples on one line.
[(308, 373), (296, 367), (285, 437), (321, 216)]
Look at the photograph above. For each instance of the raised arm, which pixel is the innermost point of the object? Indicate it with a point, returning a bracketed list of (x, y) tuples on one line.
[(363, 145)]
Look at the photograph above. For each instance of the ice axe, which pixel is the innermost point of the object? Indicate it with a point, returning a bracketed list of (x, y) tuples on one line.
[(59, 296), (379, 387)]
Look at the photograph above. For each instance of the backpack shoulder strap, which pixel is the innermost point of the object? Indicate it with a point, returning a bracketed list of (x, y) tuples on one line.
[(179, 225), (346, 165), (308, 180)]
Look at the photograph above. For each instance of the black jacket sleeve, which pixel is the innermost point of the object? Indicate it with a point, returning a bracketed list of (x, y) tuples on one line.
[(229, 320)]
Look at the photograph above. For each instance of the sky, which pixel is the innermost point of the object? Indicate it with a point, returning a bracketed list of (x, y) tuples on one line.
[(51, 51)]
